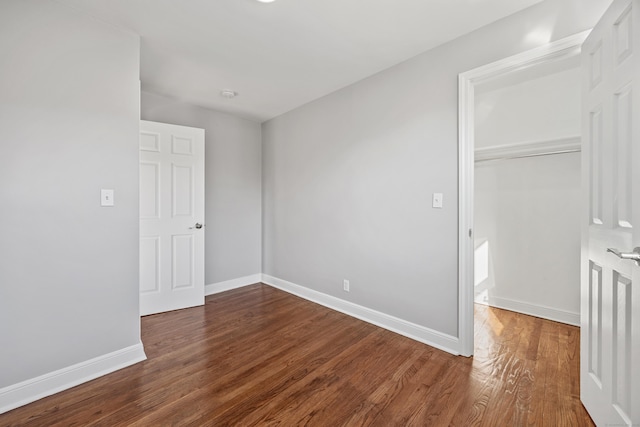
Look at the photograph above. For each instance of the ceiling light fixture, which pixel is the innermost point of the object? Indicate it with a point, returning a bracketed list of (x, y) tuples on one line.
[(266, 1), (226, 93)]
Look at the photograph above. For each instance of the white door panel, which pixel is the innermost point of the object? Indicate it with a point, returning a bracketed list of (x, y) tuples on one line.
[(610, 312), (171, 204)]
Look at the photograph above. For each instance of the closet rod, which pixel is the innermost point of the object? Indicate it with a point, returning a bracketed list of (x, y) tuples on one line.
[(523, 156), (570, 144)]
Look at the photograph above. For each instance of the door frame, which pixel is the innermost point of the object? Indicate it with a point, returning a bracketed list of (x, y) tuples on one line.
[(564, 48)]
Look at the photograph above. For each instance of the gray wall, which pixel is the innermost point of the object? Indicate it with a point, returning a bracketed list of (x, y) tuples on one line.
[(69, 110), (347, 179), (233, 185)]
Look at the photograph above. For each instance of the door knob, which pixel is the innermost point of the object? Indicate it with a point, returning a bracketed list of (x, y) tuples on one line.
[(633, 256), (198, 226)]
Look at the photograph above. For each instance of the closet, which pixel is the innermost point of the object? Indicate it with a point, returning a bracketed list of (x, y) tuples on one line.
[(528, 191)]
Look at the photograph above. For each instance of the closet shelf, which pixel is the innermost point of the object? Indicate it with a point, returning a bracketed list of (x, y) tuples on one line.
[(569, 144)]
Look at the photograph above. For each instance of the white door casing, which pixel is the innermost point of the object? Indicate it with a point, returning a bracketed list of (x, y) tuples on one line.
[(610, 286), (171, 207)]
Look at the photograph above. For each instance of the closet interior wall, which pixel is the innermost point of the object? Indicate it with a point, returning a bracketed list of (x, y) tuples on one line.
[(527, 192)]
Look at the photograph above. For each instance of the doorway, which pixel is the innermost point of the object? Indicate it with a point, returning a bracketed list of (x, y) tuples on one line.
[(527, 195), (470, 86)]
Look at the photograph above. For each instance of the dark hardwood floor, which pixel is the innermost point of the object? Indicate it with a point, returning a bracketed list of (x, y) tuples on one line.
[(259, 356)]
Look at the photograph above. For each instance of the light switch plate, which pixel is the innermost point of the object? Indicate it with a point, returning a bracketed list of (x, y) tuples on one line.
[(106, 197), (437, 200)]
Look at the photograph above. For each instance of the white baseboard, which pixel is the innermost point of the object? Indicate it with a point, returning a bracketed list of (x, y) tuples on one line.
[(536, 310), (419, 333), (45, 385), (228, 285)]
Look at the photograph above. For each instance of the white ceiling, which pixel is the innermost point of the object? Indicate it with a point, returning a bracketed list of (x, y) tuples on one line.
[(281, 55)]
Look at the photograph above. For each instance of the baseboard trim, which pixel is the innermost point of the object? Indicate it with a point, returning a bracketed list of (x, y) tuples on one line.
[(28, 391), (536, 310), (228, 285), (419, 333)]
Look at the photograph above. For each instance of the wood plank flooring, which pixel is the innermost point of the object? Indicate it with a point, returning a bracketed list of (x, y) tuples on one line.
[(259, 356)]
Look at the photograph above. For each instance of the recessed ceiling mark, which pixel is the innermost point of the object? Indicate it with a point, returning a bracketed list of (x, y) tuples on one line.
[(227, 93)]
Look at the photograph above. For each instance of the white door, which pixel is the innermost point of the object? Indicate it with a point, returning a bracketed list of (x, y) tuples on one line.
[(171, 217), (610, 311)]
